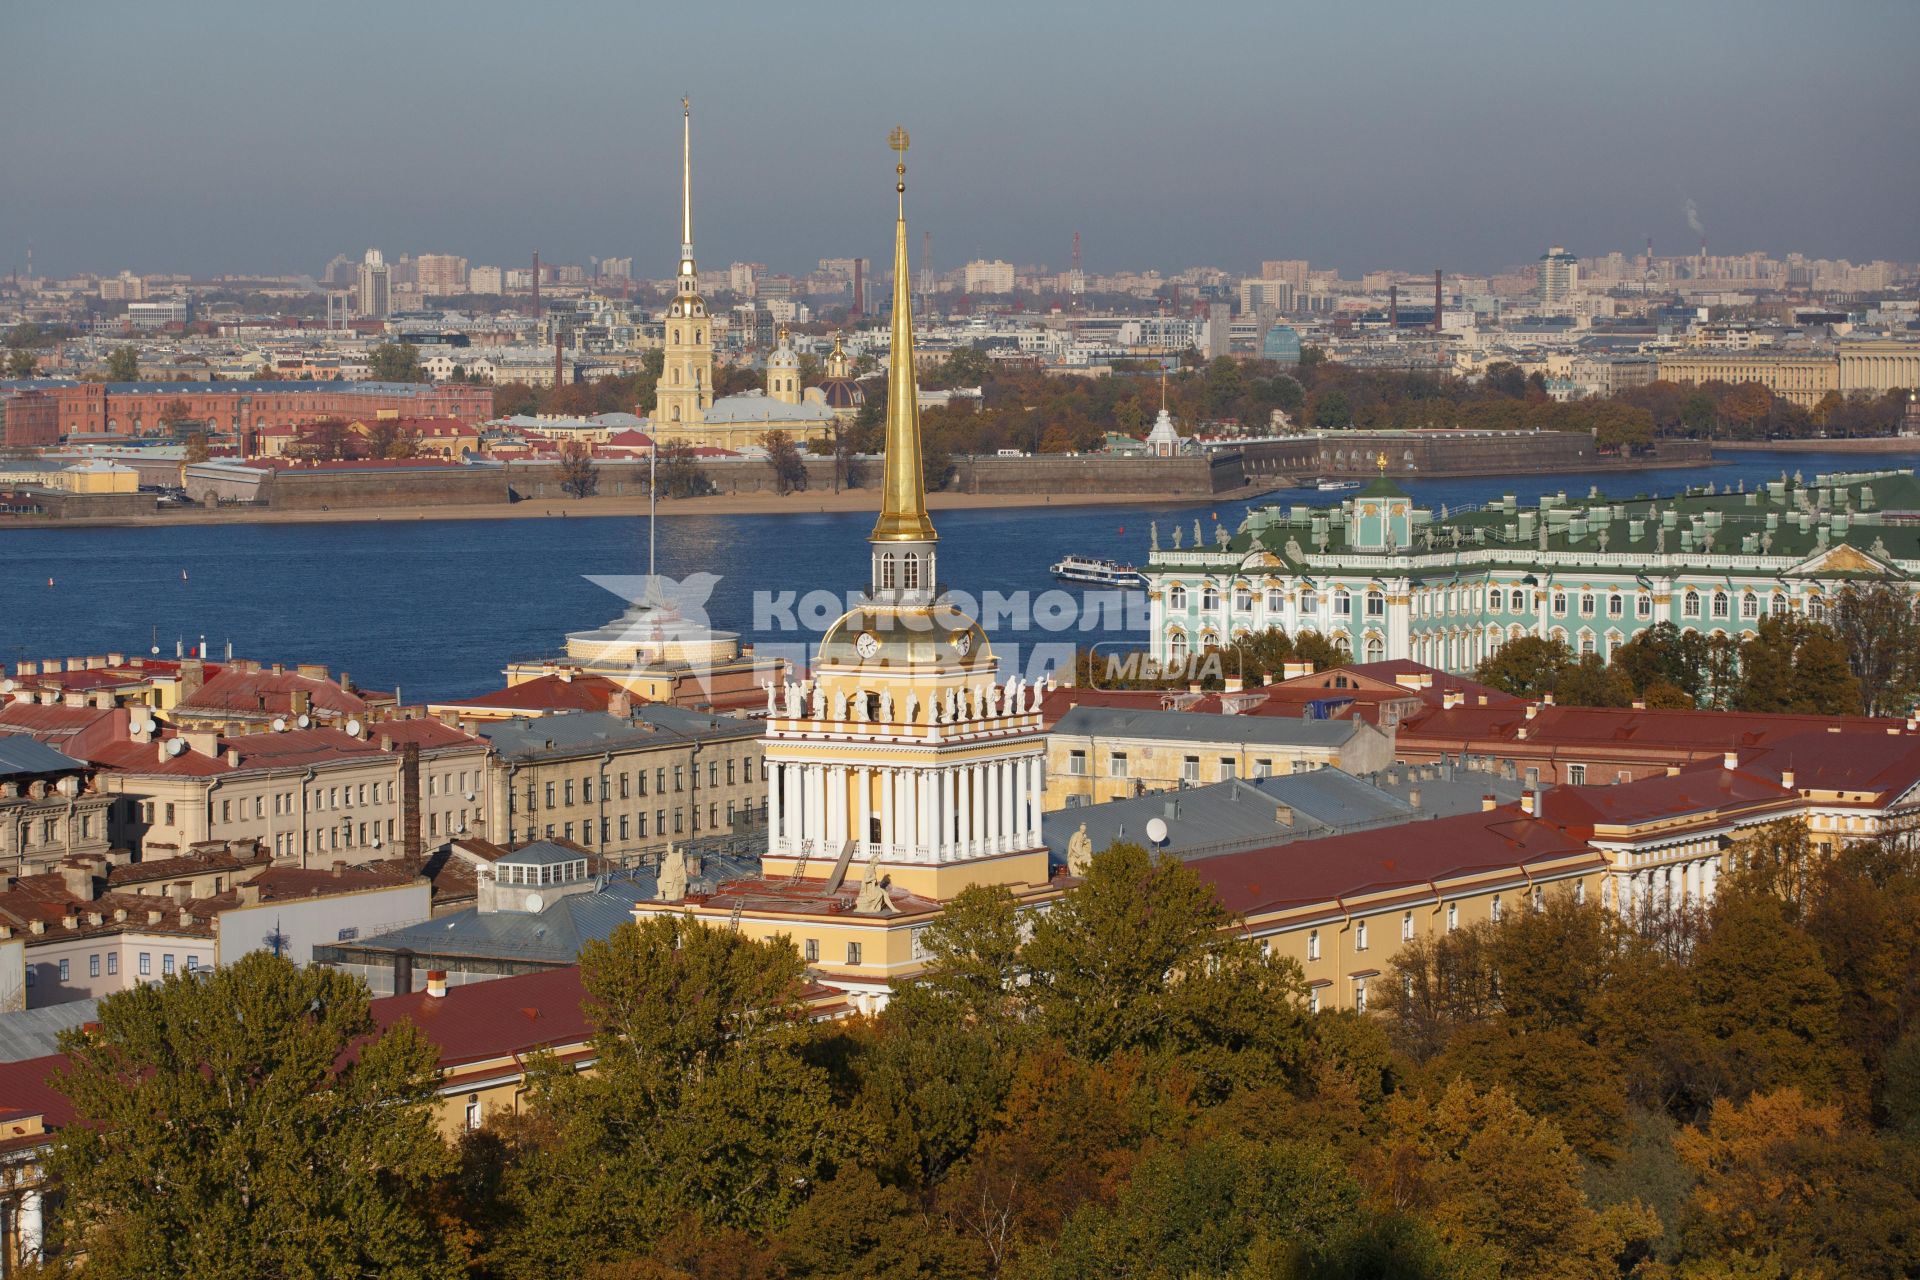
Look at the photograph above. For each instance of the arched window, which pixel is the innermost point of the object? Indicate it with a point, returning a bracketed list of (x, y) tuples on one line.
[(676, 333), (910, 572), (1342, 603), (1720, 604), (1519, 600), (1586, 604), (1209, 597), (1309, 602), (886, 572), (1616, 605), (1749, 605), (1376, 604), (1177, 647), (1690, 604), (1376, 649), (1778, 604), (1176, 597), (1276, 600)]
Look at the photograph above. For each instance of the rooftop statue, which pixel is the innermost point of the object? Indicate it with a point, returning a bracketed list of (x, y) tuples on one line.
[(673, 876), (1079, 852)]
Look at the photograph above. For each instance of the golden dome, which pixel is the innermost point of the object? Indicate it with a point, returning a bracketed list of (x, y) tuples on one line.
[(934, 638)]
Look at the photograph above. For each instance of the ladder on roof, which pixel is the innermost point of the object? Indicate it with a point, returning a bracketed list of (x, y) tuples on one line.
[(800, 867), (733, 921)]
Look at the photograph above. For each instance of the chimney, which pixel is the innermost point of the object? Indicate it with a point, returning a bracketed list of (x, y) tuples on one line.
[(410, 804), (620, 704), (1234, 684), (1731, 760), (1283, 816), (1547, 698), (1413, 797), (1488, 803), (249, 894), (78, 881), (181, 891), (339, 868), (1533, 709), (1294, 670), (1527, 803), (1786, 778), (153, 917), (437, 983)]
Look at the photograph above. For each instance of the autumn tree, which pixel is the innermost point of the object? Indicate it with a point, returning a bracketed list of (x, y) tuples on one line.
[(677, 472), (784, 460), (21, 363), (579, 476), (1879, 626), (1529, 667), (290, 1134), (395, 362)]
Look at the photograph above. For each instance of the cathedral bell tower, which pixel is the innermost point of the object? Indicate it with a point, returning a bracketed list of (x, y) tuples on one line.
[(685, 389)]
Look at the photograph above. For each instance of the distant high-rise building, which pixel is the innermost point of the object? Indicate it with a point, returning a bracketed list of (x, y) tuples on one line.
[(440, 275), (1219, 329), (1292, 270), (487, 280), (616, 268), (989, 277), (375, 300), (1559, 277)]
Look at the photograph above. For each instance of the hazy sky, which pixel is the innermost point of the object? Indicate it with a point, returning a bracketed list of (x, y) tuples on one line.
[(209, 136)]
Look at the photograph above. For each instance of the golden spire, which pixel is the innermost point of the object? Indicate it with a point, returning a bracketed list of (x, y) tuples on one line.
[(686, 179), (903, 506)]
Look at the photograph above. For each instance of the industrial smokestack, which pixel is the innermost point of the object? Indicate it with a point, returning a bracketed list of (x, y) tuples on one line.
[(536, 284), (410, 847), (1393, 306), (859, 307), (1439, 300), (557, 366)]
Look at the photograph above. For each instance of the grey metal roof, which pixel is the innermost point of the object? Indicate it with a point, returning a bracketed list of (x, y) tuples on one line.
[(21, 754), (1447, 789), (573, 733), (552, 936), (1179, 726), (1228, 816), (541, 853), (35, 1033)]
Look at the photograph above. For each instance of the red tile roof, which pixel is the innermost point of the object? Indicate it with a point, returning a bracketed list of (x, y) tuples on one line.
[(548, 693), (1412, 855), (496, 1018), (1475, 728), (268, 693)]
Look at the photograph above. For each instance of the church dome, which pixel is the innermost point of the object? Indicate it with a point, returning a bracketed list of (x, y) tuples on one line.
[(841, 393)]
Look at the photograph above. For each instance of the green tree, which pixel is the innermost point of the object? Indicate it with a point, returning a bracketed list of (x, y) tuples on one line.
[(21, 363), (701, 1105), (784, 460), (250, 1122), (1590, 682), (123, 365), (1527, 668), (395, 362), (1333, 410), (1791, 664), (1135, 957)]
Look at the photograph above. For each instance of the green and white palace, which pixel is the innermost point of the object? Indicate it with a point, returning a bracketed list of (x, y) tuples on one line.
[(1383, 578)]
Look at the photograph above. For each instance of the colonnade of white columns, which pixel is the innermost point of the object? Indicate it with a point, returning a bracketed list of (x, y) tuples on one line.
[(1667, 887), (940, 813)]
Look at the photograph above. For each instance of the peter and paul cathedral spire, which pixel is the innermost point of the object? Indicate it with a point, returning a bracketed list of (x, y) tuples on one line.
[(684, 391)]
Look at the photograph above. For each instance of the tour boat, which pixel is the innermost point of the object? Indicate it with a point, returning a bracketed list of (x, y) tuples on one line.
[(1104, 573), (1336, 486)]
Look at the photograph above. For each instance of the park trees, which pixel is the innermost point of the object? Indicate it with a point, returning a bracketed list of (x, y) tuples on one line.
[(579, 477), (395, 362), (123, 365), (784, 460), (291, 1136)]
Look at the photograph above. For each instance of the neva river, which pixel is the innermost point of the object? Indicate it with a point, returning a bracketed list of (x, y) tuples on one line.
[(436, 607)]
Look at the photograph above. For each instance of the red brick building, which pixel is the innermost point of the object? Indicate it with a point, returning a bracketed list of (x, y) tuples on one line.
[(31, 420), (134, 408)]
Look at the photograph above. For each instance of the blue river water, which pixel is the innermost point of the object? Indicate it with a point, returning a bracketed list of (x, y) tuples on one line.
[(437, 607)]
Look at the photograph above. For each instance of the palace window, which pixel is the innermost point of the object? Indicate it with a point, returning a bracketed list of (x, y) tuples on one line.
[(886, 572), (1359, 995), (1720, 604), (1190, 769), (853, 953), (910, 573), (1577, 775), (1360, 936), (1559, 604), (1690, 604), (1342, 603), (1276, 600), (1117, 764), (1586, 604), (1749, 606), (1777, 605), (1209, 597), (1309, 602), (1495, 909), (1243, 600), (1616, 605), (1643, 606), (1176, 597), (1376, 604), (810, 951), (1077, 764), (1519, 601)]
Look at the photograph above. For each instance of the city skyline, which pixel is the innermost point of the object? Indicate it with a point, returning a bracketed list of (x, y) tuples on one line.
[(1469, 144)]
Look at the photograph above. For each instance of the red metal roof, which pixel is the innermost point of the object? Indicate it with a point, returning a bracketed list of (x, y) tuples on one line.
[(548, 693)]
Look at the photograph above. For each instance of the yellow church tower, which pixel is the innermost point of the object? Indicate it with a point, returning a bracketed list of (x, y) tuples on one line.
[(685, 391), (902, 771)]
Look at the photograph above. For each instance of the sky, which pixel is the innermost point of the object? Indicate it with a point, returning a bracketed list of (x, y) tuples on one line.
[(209, 136)]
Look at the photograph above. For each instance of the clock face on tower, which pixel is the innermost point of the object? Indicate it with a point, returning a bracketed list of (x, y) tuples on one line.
[(962, 642), (867, 645)]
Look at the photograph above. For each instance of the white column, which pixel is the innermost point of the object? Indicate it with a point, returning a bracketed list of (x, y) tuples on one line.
[(775, 811), (1710, 880), (1010, 801), (837, 793), (910, 813), (923, 811), (817, 807), (949, 817), (863, 811), (889, 833), (993, 807), (32, 1227), (977, 784), (1033, 789)]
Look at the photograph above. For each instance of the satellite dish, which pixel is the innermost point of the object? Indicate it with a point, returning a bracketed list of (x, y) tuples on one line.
[(6, 686), (175, 746), (469, 796), (376, 842), (461, 829), (305, 722), (149, 725), (534, 902), (1157, 830), (279, 724), (353, 728)]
